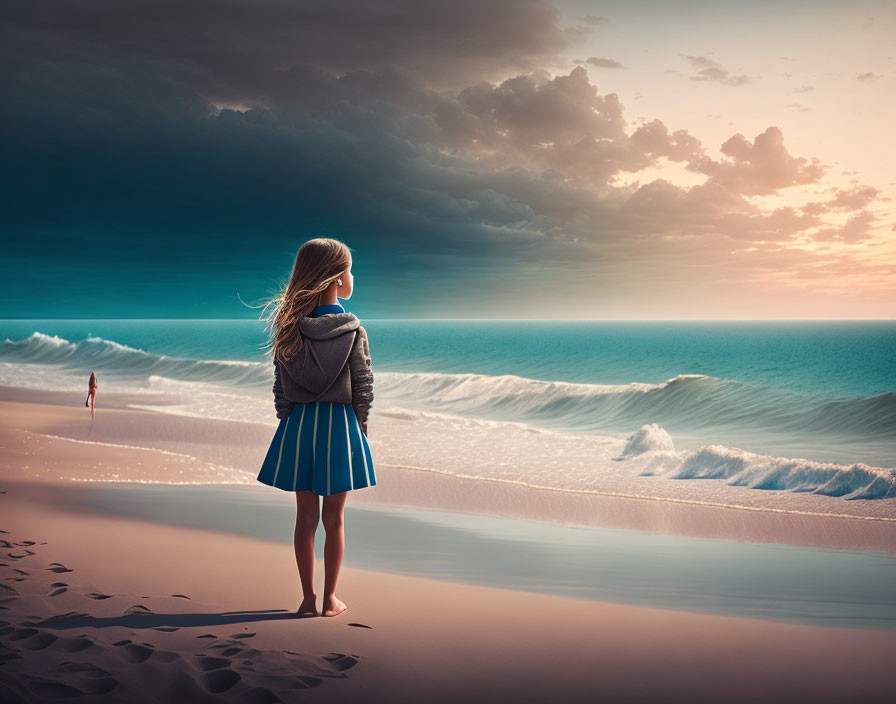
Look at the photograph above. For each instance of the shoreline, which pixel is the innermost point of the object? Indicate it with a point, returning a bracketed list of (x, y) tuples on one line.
[(148, 611), (607, 565), (198, 451)]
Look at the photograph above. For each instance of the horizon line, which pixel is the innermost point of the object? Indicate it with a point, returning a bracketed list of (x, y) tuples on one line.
[(644, 320)]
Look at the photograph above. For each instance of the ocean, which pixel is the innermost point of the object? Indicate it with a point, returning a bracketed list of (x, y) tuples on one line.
[(779, 408)]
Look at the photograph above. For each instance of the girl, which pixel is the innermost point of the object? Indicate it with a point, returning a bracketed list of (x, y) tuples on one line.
[(323, 391)]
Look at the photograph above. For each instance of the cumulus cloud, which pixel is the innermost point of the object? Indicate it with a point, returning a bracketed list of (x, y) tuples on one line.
[(855, 198), (760, 167), (856, 229)]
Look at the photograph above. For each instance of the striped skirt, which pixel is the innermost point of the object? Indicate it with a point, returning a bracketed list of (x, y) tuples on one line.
[(319, 447)]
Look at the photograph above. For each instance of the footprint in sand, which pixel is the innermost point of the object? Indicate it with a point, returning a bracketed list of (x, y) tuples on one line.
[(98, 596), (49, 689), (337, 661), (166, 629), (220, 680), (181, 596), (58, 567), (243, 635), (52, 690), (307, 681), (228, 645), (40, 641), (252, 652), (17, 556), (75, 645), (83, 667), (22, 633), (27, 543), (57, 592), (136, 653), (341, 661), (360, 625), (89, 678), (207, 663)]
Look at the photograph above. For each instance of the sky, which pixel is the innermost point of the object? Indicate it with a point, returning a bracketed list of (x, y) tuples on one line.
[(481, 158)]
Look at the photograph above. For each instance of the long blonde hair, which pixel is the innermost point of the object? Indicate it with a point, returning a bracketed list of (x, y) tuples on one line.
[(319, 262)]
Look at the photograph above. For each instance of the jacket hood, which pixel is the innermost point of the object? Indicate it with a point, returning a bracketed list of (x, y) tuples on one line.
[(326, 346), (328, 326)]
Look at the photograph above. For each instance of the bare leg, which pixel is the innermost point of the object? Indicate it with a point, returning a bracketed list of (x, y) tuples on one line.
[(307, 518), (334, 548), (92, 404)]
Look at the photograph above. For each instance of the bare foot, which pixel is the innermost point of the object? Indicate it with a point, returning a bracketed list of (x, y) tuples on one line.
[(307, 607), (333, 606)]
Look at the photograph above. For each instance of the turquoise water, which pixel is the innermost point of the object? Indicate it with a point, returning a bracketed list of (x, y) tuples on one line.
[(784, 406), (850, 359)]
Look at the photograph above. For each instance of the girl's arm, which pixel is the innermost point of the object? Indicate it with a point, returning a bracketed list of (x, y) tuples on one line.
[(281, 404), (361, 377)]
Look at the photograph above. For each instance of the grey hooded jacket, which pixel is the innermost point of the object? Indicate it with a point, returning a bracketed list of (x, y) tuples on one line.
[(332, 366)]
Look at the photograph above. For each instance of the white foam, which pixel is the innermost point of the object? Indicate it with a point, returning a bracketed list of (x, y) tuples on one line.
[(650, 438), (209, 473)]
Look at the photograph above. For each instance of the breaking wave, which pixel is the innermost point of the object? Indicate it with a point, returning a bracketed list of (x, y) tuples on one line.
[(653, 446), (684, 403), (98, 354)]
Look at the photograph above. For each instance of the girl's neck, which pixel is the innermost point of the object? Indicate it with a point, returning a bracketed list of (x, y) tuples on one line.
[(324, 298)]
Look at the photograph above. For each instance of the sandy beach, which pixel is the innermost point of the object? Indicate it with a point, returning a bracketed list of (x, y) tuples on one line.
[(114, 608), (579, 316)]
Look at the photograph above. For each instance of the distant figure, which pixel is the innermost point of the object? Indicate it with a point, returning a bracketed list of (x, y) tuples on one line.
[(91, 393)]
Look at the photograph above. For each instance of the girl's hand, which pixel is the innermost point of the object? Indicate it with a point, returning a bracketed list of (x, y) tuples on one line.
[(364, 428)]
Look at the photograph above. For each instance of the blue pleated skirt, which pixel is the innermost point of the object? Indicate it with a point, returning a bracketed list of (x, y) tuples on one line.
[(319, 447)]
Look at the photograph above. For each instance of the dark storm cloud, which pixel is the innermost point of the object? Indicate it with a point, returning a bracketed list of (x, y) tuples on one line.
[(232, 45), (422, 133), (118, 150)]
